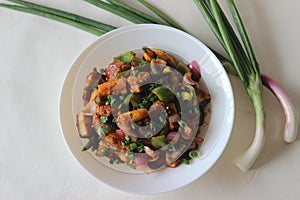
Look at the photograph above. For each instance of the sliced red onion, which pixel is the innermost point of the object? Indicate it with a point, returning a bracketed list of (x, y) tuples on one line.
[(173, 136), (174, 118), (120, 133), (291, 123), (144, 168), (171, 156), (143, 130), (187, 78), (135, 64), (195, 69), (153, 154), (141, 159), (90, 108), (198, 140), (185, 132), (160, 61)]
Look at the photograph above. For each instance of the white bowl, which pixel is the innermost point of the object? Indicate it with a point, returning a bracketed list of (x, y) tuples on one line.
[(100, 53)]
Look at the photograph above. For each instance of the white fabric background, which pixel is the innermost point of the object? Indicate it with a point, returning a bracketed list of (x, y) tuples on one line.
[(35, 54)]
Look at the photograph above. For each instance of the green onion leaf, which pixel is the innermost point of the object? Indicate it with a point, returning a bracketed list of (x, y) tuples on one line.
[(54, 17), (186, 161), (103, 119), (194, 154), (132, 146)]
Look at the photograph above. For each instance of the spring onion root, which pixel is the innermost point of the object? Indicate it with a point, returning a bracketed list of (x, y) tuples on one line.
[(291, 123)]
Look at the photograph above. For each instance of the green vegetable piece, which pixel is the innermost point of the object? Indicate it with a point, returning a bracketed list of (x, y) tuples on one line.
[(134, 99), (121, 98), (164, 94), (102, 130), (132, 146), (102, 70), (126, 57), (139, 60), (111, 160), (159, 141), (194, 154), (201, 115), (186, 161), (182, 68), (121, 74), (127, 138), (98, 100), (153, 99), (124, 143), (186, 96), (139, 142), (104, 119), (110, 100), (134, 73), (93, 142), (105, 152), (120, 105), (141, 148), (182, 147), (167, 70), (130, 155), (129, 57), (182, 123), (148, 135)]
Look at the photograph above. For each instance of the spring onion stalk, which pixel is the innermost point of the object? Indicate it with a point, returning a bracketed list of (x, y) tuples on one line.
[(291, 124), (68, 15), (54, 17), (162, 15), (228, 66), (246, 67), (136, 11), (118, 11)]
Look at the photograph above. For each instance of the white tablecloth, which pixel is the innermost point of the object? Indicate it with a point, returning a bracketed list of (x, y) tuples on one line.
[(35, 54)]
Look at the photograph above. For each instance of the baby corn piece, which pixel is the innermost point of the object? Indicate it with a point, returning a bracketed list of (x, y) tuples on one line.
[(107, 88), (135, 115)]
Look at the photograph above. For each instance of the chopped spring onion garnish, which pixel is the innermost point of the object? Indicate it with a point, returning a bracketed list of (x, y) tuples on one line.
[(194, 154), (104, 119)]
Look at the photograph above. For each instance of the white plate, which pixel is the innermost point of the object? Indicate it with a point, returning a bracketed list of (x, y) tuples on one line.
[(100, 53)]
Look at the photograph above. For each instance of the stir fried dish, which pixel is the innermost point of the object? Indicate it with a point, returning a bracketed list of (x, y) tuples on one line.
[(144, 110)]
